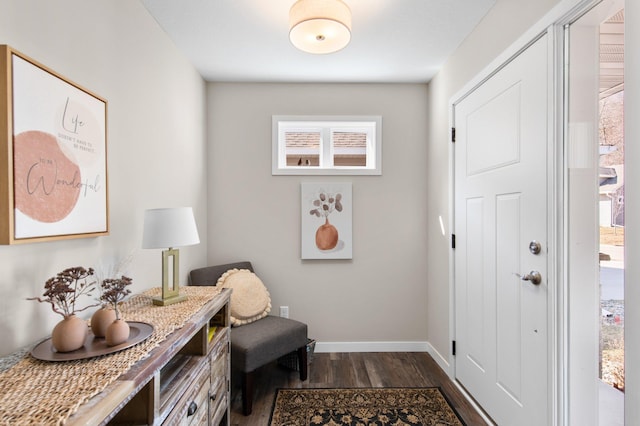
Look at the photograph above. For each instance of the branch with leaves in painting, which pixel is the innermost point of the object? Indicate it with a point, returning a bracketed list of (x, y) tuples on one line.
[(325, 204)]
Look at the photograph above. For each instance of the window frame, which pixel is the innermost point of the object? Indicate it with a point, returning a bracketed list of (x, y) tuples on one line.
[(328, 124)]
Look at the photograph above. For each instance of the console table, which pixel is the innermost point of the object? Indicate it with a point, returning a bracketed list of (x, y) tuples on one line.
[(180, 375)]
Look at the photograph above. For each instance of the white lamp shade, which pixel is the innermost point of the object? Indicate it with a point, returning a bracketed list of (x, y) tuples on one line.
[(320, 26), (171, 227)]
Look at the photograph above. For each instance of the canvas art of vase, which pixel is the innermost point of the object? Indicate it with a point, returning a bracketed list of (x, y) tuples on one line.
[(326, 234)]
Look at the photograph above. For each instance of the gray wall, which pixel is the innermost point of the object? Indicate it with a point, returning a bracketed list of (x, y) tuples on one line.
[(156, 144), (380, 295)]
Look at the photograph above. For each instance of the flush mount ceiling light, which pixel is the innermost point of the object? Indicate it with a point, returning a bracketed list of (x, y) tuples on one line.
[(320, 26)]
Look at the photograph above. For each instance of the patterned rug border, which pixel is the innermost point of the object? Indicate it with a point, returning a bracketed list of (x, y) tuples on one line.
[(439, 388)]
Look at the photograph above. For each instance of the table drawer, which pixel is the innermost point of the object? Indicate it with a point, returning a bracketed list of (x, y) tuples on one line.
[(219, 362), (193, 407), (218, 403)]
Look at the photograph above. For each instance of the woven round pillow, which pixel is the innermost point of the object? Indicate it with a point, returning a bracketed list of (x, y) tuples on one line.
[(250, 299)]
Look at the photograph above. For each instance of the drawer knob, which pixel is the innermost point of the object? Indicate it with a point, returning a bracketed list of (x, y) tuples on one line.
[(193, 407)]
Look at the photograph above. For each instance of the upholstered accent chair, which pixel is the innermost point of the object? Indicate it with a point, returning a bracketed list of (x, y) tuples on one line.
[(260, 342)]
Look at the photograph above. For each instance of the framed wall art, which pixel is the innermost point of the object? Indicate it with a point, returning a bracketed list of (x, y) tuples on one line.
[(326, 215), (54, 152)]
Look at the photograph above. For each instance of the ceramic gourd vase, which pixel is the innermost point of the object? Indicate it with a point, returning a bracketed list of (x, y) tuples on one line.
[(101, 319), (326, 236), (69, 334), (117, 332)]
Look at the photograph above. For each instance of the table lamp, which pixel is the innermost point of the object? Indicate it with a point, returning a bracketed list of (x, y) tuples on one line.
[(169, 228)]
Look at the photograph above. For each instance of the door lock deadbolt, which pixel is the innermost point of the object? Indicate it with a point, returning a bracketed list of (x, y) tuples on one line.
[(535, 247)]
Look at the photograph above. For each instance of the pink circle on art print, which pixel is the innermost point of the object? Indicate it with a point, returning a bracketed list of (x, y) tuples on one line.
[(47, 183)]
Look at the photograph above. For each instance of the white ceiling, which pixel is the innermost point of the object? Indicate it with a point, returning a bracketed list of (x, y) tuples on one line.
[(247, 40)]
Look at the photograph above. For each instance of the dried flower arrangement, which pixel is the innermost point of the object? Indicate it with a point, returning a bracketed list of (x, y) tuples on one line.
[(114, 290), (64, 290)]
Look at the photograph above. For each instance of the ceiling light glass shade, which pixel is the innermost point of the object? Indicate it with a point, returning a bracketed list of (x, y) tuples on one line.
[(320, 26)]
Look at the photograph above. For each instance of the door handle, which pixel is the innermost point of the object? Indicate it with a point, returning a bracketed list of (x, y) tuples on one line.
[(533, 276)]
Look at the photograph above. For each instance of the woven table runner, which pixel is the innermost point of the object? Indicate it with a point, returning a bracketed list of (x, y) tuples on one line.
[(44, 393)]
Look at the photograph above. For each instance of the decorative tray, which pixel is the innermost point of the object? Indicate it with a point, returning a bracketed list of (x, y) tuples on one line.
[(93, 346)]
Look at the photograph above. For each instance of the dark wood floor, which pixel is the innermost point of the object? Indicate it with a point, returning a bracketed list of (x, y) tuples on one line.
[(350, 370)]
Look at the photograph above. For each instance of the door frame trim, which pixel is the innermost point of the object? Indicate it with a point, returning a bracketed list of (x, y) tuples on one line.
[(553, 24)]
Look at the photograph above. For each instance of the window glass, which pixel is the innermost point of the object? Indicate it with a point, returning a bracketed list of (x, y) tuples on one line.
[(302, 148), (349, 149), (323, 145)]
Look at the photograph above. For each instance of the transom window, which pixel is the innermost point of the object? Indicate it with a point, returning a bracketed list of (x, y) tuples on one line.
[(323, 145)]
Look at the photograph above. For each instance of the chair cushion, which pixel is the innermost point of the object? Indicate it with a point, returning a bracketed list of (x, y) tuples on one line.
[(261, 342), (250, 299)]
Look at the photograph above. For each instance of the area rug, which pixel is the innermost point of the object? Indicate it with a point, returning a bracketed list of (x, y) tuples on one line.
[(366, 406)]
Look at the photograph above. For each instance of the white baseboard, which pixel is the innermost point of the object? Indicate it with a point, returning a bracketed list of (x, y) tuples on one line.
[(440, 360), (323, 347), (448, 369)]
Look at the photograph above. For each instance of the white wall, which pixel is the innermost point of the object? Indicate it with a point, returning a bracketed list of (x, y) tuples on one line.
[(504, 23), (156, 143), (380, 295)]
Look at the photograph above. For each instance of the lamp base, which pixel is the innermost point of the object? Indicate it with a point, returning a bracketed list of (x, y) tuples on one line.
[(169, 300), (170, 285)]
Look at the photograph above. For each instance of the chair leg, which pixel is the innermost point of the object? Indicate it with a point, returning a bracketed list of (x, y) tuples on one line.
[(247, 393), (302, 362)]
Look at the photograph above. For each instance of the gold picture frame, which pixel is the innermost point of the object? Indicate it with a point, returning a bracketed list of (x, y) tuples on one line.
[(53, 160)]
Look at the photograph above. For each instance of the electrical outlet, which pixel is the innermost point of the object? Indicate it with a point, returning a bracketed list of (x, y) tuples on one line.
[(284, 311)]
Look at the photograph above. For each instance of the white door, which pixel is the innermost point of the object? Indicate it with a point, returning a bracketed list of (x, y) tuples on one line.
[(500, 209)]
